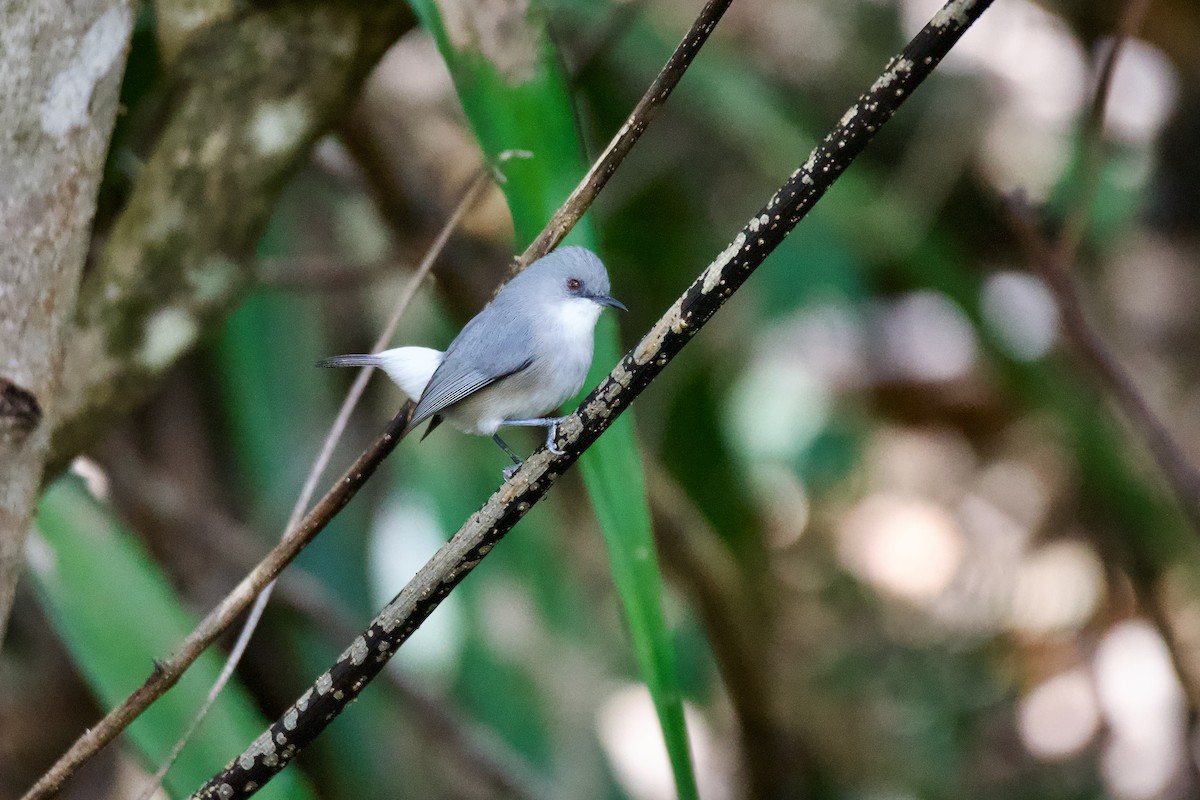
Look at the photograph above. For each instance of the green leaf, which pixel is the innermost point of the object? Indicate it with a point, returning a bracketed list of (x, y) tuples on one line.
[(523, 104), (116, 612)]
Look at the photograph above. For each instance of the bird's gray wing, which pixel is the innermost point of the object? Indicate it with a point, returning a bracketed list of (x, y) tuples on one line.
[(477, 358)]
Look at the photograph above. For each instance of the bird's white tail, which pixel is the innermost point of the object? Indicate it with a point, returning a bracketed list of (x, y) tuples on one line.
[(410, 368)]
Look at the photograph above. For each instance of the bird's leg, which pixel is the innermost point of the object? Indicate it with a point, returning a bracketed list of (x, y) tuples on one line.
[(551, 425), (517, 462)]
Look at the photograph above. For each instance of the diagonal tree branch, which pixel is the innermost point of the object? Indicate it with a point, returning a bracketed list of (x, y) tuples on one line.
[(368, 653), (168, 672), (1055, 258), (639, 119), (341, 420)]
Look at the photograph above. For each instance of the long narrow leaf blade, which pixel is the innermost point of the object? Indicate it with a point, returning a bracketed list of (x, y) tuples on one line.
[(523, 105), (115, 612)]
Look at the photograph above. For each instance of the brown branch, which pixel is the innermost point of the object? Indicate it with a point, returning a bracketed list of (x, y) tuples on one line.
[(237, 601), (369, 652), (167, 673), (643, 114), (336, 429), (224, 540), (61, 63), (1055, 261), (245, 593), (1055, 267)]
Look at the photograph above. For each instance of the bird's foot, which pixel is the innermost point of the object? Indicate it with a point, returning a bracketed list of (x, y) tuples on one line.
[(551, 435), (510, 471)]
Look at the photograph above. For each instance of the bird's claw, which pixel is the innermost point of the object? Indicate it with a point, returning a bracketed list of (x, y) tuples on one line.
[(551, 435), (510, 471)]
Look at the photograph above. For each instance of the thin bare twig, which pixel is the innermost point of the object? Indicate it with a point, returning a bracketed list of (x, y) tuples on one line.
[(368, 653), (1055, 260), (223, 538), (472, 195), (1181, 475), (1092, 150), (639, 119), (167, 673)]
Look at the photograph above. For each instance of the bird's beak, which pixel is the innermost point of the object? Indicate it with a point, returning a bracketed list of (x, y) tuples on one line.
[(605, 300)]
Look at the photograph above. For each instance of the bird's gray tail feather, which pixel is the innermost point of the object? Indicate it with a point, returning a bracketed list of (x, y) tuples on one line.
[(351, 360)]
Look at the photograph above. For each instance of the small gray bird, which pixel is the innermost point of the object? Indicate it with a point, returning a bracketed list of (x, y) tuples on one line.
[(516, 361)]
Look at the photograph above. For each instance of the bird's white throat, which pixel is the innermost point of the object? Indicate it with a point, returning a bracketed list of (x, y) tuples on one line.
[(577, 317)]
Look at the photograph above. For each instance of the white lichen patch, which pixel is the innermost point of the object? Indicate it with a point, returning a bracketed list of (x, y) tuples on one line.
[(324, 683), (278, 126), (883, 81), (850, 114), (169, 332), (712, 275), (262, 746), (357, 651), (648, 348), (954, 12), (289, 722), (65, 106)]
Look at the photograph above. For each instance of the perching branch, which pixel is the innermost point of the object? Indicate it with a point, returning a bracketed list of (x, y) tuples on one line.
[(169, 671), (368, 653)]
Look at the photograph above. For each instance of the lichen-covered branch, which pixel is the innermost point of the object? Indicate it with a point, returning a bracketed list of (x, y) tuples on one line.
[(247, 98), (368, 653), (60, 73)]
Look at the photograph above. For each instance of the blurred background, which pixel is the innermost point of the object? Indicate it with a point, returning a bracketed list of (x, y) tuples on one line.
[(912, 549)]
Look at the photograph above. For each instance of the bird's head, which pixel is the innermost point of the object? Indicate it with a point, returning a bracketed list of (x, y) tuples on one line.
[(570, 273)]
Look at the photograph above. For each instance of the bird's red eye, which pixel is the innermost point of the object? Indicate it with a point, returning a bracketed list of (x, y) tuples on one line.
[(574, 283)]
